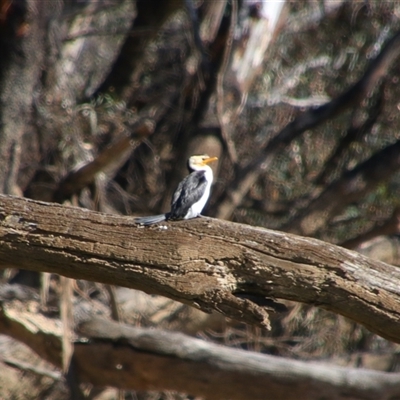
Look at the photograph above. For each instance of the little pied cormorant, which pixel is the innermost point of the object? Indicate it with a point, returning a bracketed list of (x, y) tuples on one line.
[(191, 195)]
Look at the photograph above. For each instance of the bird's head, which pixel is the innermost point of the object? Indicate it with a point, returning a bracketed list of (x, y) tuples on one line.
[(200, 162)]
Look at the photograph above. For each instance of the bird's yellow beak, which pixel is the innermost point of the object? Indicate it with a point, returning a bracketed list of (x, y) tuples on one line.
[(209, 160)]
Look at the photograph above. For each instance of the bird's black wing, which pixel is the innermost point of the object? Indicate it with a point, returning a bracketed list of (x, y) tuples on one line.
[(189, 191)]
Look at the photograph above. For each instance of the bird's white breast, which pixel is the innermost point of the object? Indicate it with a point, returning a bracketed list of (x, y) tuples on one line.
[(196, 209)]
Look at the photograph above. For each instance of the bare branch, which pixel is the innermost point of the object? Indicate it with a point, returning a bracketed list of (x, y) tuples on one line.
[(22, 45), (119, 355), (213, 14), (390, 227), (67, 318), (203, 262), (226, 133), (356, 132), (352, 186), (308, 120), (32, 368), (76, 180)]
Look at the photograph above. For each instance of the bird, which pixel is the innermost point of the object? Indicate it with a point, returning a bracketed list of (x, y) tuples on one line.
[(191, 195)]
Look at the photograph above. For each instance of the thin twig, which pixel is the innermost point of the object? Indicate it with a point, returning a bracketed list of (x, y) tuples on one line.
[(24, 366)]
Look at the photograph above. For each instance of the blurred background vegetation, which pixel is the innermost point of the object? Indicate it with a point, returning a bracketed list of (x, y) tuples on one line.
[(103, 101)]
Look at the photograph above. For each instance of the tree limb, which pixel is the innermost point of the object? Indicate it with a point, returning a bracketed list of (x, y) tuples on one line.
[(136, 358), (352, 186), (356, 132), (203, 262), (113, 154), (22, 45), (308, 120), (390, 227)]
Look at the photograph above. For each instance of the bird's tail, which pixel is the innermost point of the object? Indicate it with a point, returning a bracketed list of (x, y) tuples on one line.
[(153, 219)]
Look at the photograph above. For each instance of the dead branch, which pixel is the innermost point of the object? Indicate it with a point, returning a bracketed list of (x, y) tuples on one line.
[(313, 117), (204, 262), (116, 153), (20, 71), (356, 132), (226, 133), (390, 227), (352, 186), (128, 357)]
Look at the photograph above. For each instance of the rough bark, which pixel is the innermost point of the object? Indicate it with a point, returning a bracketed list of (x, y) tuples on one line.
[(204, 262), (22, 39), (128, 357)]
